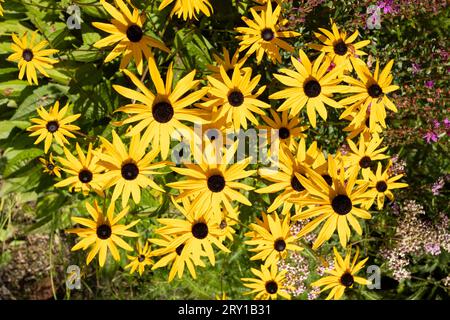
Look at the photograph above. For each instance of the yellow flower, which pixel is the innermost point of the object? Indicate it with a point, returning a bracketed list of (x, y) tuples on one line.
[(102, 232), (335, 204), (272, 243), (342, 276), (262, 35), (128, 171), (370, 93), (1, 8), (269, 283), (235, 97), (197, 232), (161, 114), (227, 63), (177, 255), (380, 186), (188, 8), (141, 260), (363, 128), (288, 129), (50, 166), (212, 184), (126, 30), (31, 57), (84, 171), (363, 155), (338, 47), (309, 85), (53, 124)]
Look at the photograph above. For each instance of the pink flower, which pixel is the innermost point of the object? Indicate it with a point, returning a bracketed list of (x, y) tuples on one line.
[(416, 68), (430, 136), (429, 84)]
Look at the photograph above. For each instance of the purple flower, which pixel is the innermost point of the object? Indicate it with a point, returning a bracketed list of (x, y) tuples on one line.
[(430, 136), (416, 68), (387, 6), (436, 124), (433, 248), (437, 186), (446, 123), (429, 84)]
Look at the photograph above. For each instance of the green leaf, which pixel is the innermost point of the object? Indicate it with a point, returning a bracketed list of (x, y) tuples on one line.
[(21, 160), (12, 88), (7, 126)]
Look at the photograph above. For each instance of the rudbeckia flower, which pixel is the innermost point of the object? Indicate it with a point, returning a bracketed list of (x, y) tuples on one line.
[(335, 204), (31, 57), (268, 284), (361, 157), (370, 93), (126, 29), (227, 63), (50, 166), (128, 170), (53, 125), (102, 232), (188, 8), (263, 34), (343, 275), (159, 115), (141, 260), (310, 85)]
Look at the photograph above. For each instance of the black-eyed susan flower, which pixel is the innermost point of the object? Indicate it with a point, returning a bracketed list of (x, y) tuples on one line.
[(268, 284), (285, 179), (53, 125), (273, 243), (339, 47), (227, 63), (263, 34), (380, 185), (31, 57), (83, 171), (289, 130), (126, 29), (211, 183), (309, 85), (370, 93), (102, 232), (363, 155), (343, 275), (188, 9), (236, 98), (226, 223), (128, 170), (50, 166), (175, 255), (335, 204), (356, 127), (141, 260), (197, 231), (160, 114)]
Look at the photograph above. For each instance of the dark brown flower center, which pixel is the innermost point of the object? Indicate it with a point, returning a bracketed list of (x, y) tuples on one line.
[(347, 279), (162, 112), (365, 162), (130, 171), (284, 133), (134, 33), (296, 185), (50, 166), (367, 123), (341, 204), (271, 287), (327, 179), (52, 126), (85, 176), (267, 34), (236, 98), (27, 55), (216, 183), (200, 230), (381, 186), (340, 48), (279, 245), (312, 88), (375, 91), (141, 258), (179, 249), (104, 231)]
